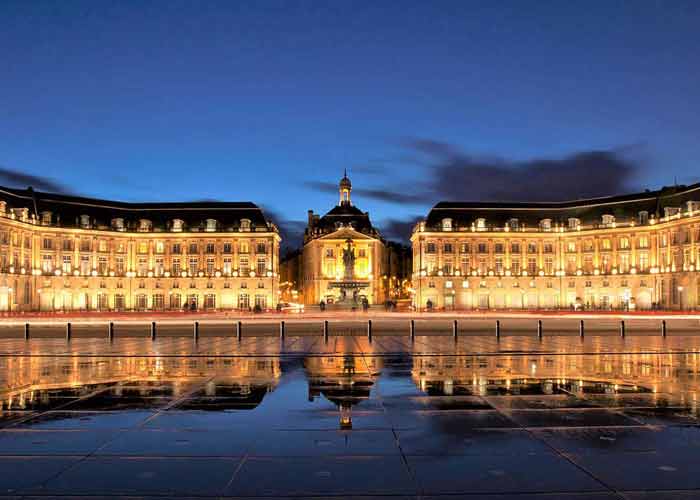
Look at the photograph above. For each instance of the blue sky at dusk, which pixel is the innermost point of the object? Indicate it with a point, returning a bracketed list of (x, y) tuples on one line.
[(421, 101)]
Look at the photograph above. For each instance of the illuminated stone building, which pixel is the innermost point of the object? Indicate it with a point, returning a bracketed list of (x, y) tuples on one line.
[(69, 253), (344, 259), (624, 252)]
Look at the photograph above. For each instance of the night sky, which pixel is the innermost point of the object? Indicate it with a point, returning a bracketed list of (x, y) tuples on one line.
[(421, 101)]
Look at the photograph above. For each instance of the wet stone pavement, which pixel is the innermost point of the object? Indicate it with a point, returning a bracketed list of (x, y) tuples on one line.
[(519, 418)]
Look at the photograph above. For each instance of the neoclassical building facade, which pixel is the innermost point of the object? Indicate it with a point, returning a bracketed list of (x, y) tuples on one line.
[(631, 252), (61, 253), (344, 259)]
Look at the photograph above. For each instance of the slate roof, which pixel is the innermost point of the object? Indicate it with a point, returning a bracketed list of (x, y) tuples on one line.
[(589, 211), (66, 210)]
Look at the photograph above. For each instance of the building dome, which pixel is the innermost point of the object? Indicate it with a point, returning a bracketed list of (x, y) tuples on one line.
[(345, 182)]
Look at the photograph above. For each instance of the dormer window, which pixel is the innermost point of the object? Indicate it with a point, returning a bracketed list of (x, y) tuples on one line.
[(85, 221), (46, 218), (178, 225), (145, 225), (693, 206), (210, 225), (21, 213), (480, 224), (447, 224), (3, 207), (608, 220), (118, 224), (671, 211), (546, 224), (513, 224), (643, 217), (574, 223), (245, 224)]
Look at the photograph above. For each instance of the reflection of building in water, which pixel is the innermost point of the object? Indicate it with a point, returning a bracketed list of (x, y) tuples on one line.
[(547, 374), (345, 381), (38, 382)]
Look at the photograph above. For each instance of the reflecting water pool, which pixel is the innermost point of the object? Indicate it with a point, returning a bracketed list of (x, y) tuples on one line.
[(302, 417)]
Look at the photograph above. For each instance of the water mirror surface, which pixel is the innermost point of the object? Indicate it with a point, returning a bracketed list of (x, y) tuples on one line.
[(560, 417)]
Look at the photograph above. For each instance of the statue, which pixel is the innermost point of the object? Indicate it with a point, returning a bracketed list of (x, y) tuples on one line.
[(349, 261)]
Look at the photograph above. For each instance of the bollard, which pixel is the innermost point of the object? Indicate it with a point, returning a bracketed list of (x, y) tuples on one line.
[(369, 330), (325, 330), (622, 328), (281, 329), (412, 329), (580, 329), (239, 330), (26, 331), (454, 329), (498, 328), (110, 331), (539, 329), (663, 328), (153, 330), (68, 331), (195, 331)]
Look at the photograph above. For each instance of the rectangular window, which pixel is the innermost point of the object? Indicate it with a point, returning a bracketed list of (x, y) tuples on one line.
[(261, 248), (159, 267), (67, 264), (227, 265), (515, 248), (210, 248), (193, 248), (243, 265), (447, 248), (482, 248), (47, 244), (549, 266), (531, 266), (210, 265), (643, 261), (624, 263), (498, 248), (177, 248), (430, 248), (177, 269), (515, 266), (262, 266), (142, 266), (227, 247), (194, 265), (499, 265), (119, 265), (102, 265), (85, 265)]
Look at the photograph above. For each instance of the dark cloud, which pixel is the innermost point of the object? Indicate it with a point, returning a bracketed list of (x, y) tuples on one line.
[(291, 231), (447, 173), (372, 194), (14, 178), (457, 176), (398, 229)]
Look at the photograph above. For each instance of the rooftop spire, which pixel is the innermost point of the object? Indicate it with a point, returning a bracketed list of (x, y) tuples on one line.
[(345, 188)]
